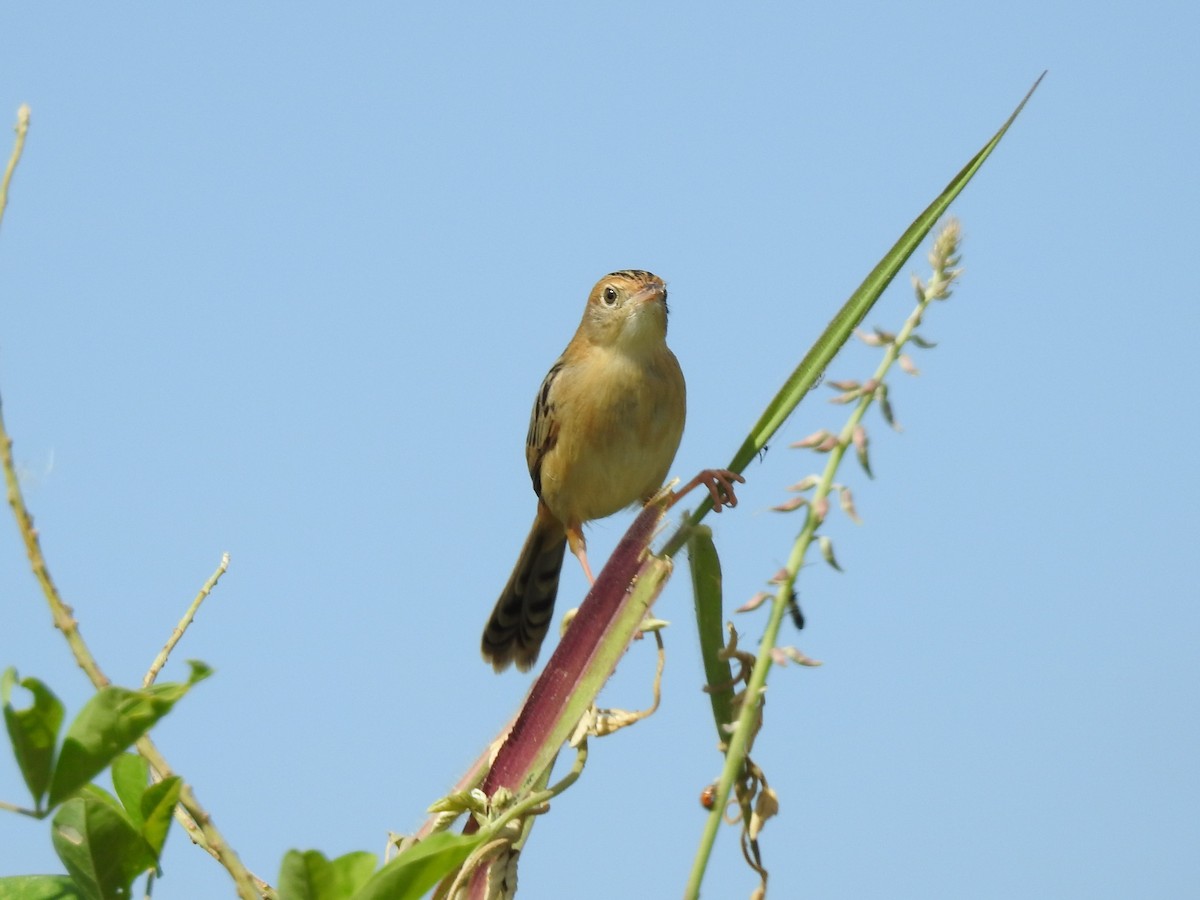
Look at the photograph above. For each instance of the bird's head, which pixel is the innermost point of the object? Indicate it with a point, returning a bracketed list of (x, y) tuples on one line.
[(627, 309)]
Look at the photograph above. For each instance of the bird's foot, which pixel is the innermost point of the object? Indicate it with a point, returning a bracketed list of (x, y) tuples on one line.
[(720, 487)]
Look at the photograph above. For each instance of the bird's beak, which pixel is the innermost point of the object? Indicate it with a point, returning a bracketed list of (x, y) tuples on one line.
[(651, 292)]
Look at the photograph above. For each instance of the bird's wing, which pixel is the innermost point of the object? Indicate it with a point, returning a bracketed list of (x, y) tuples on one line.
[(543, 427)]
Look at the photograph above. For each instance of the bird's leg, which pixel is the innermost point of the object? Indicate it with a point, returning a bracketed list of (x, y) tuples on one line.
[(579, 547), (720, 487)]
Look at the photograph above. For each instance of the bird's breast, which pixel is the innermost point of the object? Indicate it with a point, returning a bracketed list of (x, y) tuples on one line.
[(620, 423)]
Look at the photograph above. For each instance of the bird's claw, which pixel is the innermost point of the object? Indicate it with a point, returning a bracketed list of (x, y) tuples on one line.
[(719, 483), (720, 486)]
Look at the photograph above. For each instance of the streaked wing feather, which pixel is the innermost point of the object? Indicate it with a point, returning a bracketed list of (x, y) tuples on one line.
[(543, 427)]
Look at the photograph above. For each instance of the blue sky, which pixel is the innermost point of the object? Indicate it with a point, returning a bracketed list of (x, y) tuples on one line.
[(282, 282)]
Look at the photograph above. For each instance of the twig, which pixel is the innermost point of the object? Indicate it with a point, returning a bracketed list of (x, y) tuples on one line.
[(248, 887), (11, 807), (202, 830), (22, 129), (177, 633), (64, 620)]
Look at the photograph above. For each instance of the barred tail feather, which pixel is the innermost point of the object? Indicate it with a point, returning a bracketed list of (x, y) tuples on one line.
[(521, 617)]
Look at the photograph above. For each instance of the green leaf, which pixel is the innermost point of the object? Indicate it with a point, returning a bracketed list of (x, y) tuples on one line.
[(109, 723), (99, 794), (40, 887), (100, 847), (705, 566), (130, 775), (199, 671), (310, 876), (158, 805), (33, 731), (419, 868), (856, 308)]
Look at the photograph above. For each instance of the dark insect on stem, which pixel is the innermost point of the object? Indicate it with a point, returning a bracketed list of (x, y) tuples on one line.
[(794, 609)]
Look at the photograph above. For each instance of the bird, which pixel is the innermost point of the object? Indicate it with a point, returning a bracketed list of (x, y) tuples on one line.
[(605, 426)]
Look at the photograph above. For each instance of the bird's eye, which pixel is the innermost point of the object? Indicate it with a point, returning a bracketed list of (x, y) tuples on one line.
[(610, 295)]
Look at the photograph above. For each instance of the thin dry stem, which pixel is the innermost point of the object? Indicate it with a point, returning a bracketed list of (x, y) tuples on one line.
[(22, 129), (12, 807), (248, 887), (177, 633)]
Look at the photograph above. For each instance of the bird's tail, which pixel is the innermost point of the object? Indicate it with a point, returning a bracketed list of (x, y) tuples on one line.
[(521, 618)]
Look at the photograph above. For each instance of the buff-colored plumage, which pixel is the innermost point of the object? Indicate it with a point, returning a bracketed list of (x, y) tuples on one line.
[(605, 427)]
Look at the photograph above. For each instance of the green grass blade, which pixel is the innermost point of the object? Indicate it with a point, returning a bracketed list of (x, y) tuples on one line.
[(856, 308), (705, 567), (838, 331)]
